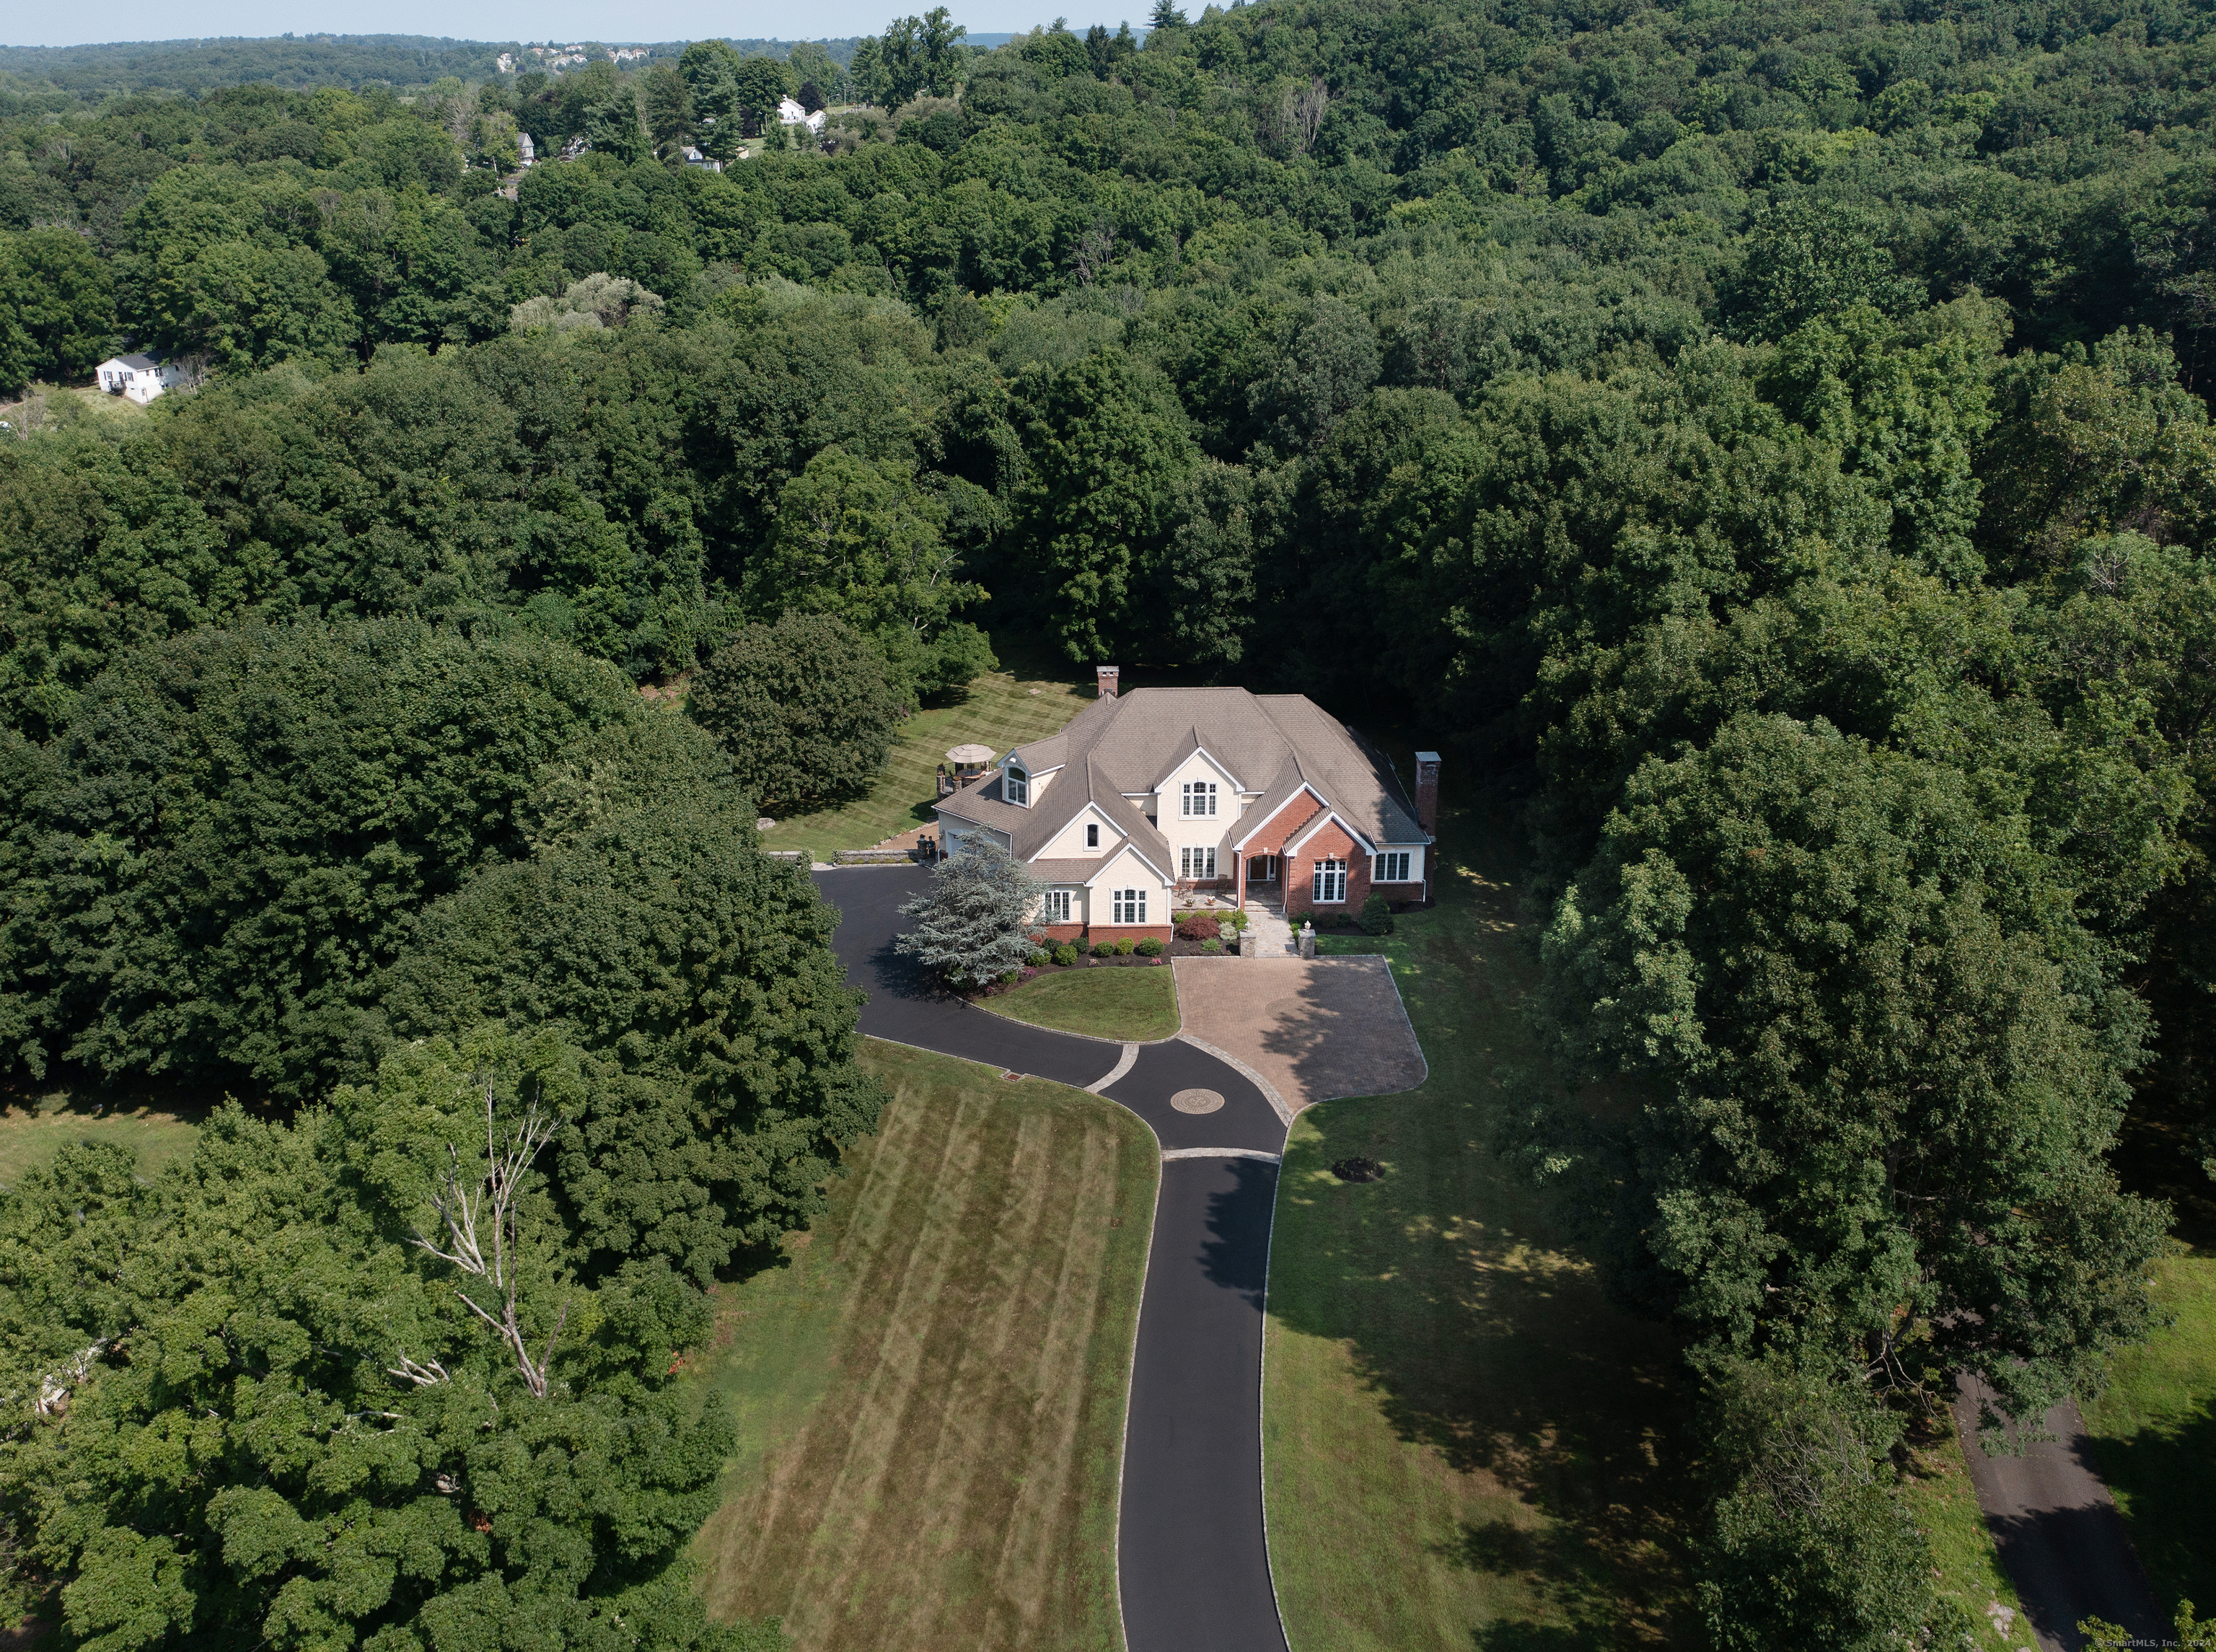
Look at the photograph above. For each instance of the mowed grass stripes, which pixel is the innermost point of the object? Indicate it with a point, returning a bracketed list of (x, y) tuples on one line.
[(1002, 711), (930, 1392)]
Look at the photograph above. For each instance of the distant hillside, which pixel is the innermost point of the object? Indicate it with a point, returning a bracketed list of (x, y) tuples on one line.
[(352, 60)]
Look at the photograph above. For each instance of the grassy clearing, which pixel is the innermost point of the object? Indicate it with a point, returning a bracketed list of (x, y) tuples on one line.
[(930, 1389), (1003, 710), (2154, 1432), (1467, 1443), (1129, 1005), (32, 1128)]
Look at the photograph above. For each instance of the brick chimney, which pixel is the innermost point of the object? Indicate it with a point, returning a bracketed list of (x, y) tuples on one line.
[(1427, 793), (1106, 676)]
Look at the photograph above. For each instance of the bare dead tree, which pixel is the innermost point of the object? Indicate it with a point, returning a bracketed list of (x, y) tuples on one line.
[(1090, 254), (1293, 125), (491, 1204)]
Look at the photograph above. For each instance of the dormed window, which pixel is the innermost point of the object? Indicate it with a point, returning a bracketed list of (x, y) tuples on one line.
[(1016, 787), (1199, 800)]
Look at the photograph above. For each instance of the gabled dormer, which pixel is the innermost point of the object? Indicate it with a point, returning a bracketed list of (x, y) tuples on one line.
[(1015, 782)]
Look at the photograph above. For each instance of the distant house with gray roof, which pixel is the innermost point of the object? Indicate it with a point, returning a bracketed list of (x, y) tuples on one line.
[(1164, 793), (140, 377)]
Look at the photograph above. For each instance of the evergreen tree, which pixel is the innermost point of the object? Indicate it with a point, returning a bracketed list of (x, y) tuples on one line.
[(972, 924)]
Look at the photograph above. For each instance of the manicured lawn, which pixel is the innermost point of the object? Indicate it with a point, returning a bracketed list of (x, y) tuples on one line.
[(930, 1389), (1002, 711), (2154, 1432), (1348, 945), (1466, 1444), (33, 1127), (1104, 1001)]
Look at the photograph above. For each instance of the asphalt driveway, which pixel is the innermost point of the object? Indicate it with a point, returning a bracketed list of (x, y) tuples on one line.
[(1193, 1568)]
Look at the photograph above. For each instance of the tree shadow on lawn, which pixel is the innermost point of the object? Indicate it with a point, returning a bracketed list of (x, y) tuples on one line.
[(1486, 1344), (2167, 1478)]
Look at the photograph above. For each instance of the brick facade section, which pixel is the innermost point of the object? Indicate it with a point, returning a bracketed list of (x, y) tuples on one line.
[(1331, 843), (1284, 826)]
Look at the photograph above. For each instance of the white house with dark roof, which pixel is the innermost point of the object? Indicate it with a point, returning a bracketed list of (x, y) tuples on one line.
[(1164, 792), (141, 378)]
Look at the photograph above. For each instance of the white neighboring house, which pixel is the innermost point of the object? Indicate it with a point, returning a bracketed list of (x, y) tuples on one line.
[(524, 149), (790, 112), (1164, 793), (142, 378)]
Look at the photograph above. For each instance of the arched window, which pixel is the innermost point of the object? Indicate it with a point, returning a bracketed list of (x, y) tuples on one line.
[(1016, 787)]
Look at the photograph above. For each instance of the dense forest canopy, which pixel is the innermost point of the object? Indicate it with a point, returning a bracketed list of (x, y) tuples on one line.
[(1773, 441)]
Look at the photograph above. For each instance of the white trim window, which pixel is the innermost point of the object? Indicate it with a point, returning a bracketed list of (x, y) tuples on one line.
[(1196, 800), (1056, 909), (1092, 833), (1199, 863), (1392, 867), (1016, 787), (1127, 905), (1330, 882)]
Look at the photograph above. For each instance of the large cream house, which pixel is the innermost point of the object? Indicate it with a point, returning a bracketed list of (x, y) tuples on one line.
[(1166, 792)]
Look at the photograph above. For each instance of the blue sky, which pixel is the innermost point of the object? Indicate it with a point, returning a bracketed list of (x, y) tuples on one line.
[(489, 20)]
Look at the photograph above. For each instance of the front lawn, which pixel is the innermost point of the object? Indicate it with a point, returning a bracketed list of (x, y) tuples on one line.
[(1466, 1443), (1002, 711), (929, 1389), (2154, 1434), (1129, 1005)]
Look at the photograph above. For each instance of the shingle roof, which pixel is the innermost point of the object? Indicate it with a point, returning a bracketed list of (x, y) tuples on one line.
[(141, 363), (1130, 743)]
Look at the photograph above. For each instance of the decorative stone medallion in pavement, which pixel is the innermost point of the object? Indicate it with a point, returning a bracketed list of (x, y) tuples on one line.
[(1196, 1100)]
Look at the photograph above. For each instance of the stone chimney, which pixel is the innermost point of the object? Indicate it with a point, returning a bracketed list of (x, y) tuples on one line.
[(1427, 793), (1106, 675)]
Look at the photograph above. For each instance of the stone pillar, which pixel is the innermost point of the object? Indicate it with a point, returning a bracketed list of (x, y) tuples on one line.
[(1308, 940)]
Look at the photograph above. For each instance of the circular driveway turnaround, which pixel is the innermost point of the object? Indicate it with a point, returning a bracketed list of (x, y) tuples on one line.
[(1193, 1569)]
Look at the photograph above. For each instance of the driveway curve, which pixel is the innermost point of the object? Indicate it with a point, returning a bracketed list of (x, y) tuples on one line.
[(1192, 1566)]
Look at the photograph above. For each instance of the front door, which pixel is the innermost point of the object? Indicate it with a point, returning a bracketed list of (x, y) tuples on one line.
[(1331, 883), (1262, 869)]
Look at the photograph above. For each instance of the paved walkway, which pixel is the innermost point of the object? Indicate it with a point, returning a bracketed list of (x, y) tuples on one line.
[(1313, 1028), (1193, 1570), (2057, 1532)]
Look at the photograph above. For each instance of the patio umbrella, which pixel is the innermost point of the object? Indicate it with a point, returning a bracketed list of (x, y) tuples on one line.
[(971, 756)]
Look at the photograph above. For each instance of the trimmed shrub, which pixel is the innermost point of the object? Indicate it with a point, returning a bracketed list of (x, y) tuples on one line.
[(1039, 959), (1065, 955), (1211, 944), (1123, 947), (1199, 926), (1376, 917), (1147, 949)]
